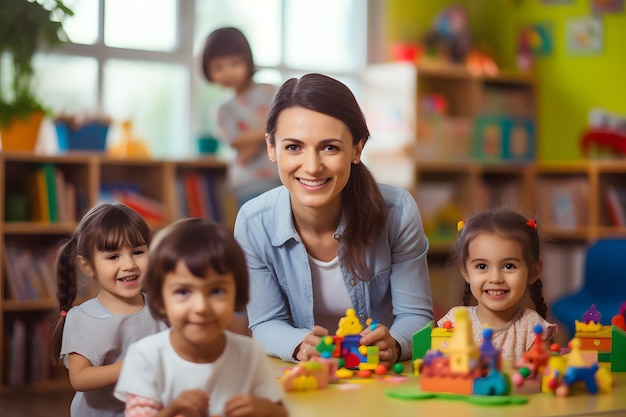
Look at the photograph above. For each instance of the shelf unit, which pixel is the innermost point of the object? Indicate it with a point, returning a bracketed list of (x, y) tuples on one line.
[(447, 164), (157, 180), (534, 189)]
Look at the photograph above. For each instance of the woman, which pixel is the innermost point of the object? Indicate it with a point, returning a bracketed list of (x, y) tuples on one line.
[(330, 238)]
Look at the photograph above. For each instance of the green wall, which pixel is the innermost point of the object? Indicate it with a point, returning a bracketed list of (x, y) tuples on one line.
[(569, 85)]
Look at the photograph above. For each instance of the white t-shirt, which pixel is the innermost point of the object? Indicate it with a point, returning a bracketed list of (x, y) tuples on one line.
[(152, 369), (330, 295)]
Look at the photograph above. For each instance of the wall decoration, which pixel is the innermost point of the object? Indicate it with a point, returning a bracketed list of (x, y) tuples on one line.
[(584, 35), (538, 37), (607, 6)]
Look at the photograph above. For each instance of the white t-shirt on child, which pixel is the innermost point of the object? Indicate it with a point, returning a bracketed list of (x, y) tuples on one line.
[(153, 370)]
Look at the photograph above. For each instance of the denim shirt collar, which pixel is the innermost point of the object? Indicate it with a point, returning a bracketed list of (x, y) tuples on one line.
[(283, 220)]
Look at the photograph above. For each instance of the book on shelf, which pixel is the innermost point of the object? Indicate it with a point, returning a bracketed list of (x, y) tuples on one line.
[(563, 203), (30, 351), (151, 209), (50, 175), (201, 196), (129, 194), (616, 205), (17, 369), (30, 273), (52, 198), (38, 190)]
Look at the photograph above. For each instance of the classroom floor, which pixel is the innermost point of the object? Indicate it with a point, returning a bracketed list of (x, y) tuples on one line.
[(39, 404)]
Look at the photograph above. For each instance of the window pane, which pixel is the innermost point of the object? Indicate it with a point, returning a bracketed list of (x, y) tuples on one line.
[(83, 26), (259, 20), (141, 24), (325, 35), (155, 98), (67, 84)]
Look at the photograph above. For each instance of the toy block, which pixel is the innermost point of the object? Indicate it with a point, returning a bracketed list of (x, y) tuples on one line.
[(462, 349), (371, 352), (440, 338), (618, 350), (349, 324), (587, 327), (422, 341), (310, 375), (452, 385), (494, 383), (599, 339)]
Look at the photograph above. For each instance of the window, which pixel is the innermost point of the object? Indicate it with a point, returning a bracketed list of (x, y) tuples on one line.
[(139, 60)]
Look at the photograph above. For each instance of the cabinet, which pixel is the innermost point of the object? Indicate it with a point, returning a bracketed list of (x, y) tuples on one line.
[(27, 283)]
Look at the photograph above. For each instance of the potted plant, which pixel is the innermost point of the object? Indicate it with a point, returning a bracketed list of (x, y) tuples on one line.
[(26, 26)]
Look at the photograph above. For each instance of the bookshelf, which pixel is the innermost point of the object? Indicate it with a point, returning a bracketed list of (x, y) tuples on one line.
[(31, 230), (568, 200)]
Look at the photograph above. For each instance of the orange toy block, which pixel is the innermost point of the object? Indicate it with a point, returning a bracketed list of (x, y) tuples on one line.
[(452, 385)]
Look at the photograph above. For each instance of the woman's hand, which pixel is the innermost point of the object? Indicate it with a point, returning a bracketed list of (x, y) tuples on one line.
[(388, 348), (306, 349)]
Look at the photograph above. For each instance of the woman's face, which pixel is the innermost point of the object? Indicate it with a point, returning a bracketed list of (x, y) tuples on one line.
[(314, 153)]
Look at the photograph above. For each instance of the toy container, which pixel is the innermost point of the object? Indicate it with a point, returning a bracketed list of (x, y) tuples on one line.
[(91, 136)]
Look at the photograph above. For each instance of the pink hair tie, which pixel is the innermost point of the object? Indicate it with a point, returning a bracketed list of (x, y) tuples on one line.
[(63, 313), (532, 224)]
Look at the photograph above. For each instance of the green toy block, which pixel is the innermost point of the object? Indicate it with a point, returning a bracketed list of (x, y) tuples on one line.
[(422, 341), (618, 350), (604, 356)]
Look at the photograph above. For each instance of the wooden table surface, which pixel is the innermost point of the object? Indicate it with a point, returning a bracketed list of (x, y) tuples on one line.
[(366, 397)]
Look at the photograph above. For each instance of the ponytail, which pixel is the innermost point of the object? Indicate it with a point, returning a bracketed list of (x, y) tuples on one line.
[(365, 211), (67, 286), (536, 295)]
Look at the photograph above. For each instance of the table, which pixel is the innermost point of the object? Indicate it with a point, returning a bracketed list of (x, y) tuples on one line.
[(367, 398)]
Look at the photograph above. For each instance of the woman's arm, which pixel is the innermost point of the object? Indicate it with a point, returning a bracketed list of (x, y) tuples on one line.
[(410, 283), (86, 377), (269, 314)]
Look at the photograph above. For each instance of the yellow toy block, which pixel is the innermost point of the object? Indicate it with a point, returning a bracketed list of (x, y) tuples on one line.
[(440, 338)]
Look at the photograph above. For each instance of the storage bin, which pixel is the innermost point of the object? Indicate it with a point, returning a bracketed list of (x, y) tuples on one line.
[(89, 137)]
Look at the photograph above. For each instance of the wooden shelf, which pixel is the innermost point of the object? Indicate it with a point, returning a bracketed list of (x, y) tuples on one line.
[(85, 172)]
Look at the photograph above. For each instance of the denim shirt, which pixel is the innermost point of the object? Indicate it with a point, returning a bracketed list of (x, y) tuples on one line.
[(280, 311)]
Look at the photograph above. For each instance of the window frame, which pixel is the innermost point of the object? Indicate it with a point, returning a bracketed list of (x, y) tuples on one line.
[(183, 54)]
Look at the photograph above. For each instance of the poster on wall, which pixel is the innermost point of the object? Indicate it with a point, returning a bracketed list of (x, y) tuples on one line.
[(607, 6), (584, 35), (538, 37)]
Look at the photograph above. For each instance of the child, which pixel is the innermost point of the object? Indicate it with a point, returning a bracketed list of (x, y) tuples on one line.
[(196, 278), (109, 245), (498, 255), (227, 61)]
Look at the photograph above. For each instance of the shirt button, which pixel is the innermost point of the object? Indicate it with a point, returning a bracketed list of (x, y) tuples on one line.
[(352, 283)]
